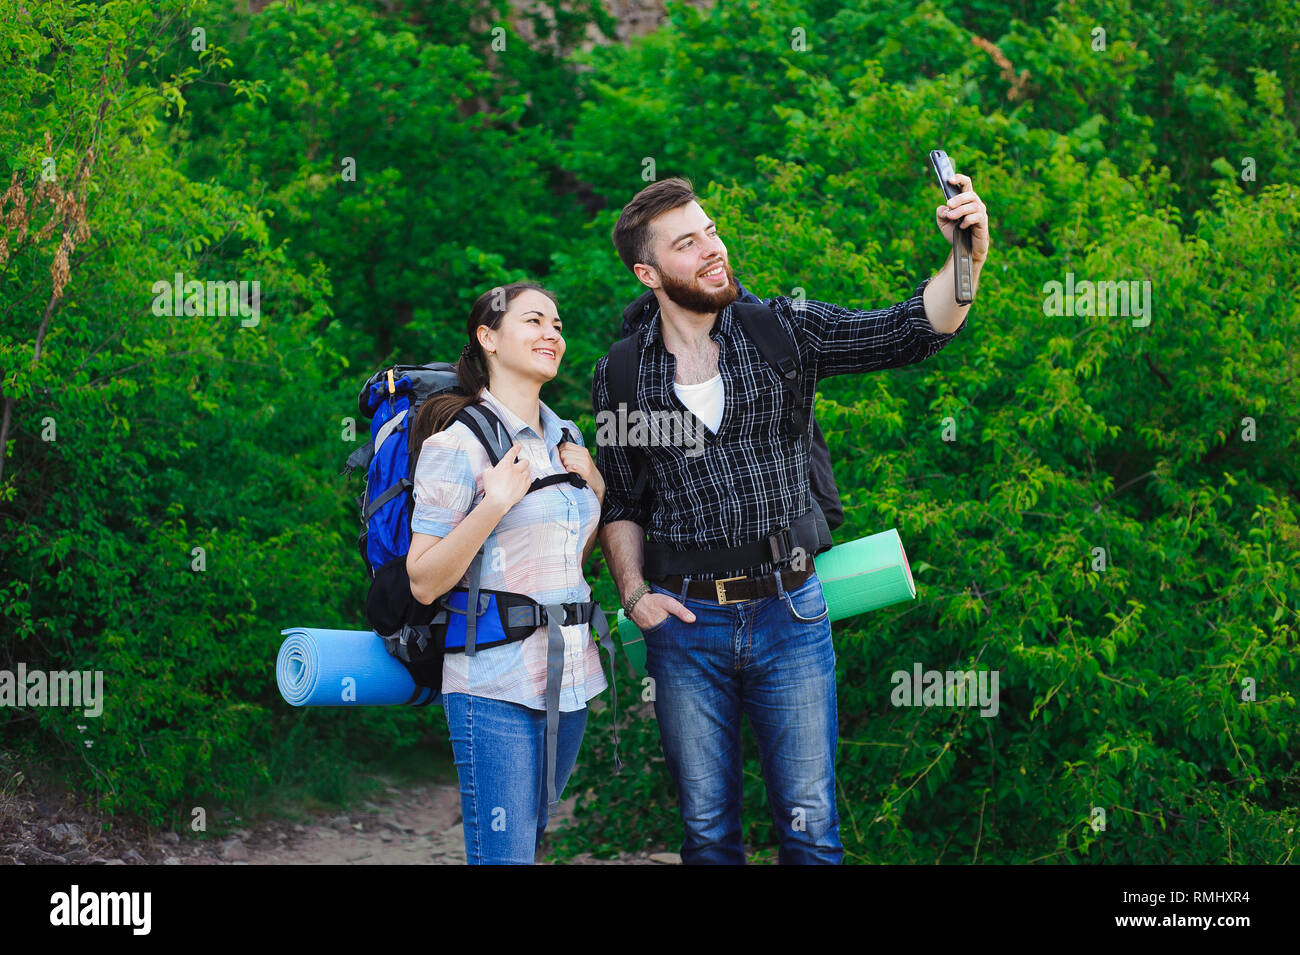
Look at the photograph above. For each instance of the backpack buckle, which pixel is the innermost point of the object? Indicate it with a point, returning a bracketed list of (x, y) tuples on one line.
[(782, 543)]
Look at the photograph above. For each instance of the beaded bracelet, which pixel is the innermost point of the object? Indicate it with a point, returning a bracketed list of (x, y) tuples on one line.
[(636, 595)]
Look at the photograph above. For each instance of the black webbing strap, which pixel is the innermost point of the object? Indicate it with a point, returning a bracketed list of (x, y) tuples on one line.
[(568, 477), (773, 343), (360, 458), (661, 560), (622, 374), (422, 640)]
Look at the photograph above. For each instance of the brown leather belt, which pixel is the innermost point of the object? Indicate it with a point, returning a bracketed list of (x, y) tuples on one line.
[(732, 590)]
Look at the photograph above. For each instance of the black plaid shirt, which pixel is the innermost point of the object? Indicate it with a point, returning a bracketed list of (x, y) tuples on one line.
[(751, 477)]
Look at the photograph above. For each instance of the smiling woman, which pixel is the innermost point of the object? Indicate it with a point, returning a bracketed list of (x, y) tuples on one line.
[(515, 342), (516, 711)]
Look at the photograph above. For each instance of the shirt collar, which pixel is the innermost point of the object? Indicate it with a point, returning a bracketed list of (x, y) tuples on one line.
[(551, 424)]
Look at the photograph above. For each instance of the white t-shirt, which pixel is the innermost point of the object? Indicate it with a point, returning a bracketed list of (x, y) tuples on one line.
[(704, 399)]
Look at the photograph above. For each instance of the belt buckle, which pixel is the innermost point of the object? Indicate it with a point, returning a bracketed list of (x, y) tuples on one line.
[(719, 585)]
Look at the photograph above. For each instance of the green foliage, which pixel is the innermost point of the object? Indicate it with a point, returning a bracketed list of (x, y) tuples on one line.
[(386, 146), (136, 439)]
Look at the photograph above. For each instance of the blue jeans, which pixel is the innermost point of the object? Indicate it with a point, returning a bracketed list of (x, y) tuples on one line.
[(500, 750), (770, 658)]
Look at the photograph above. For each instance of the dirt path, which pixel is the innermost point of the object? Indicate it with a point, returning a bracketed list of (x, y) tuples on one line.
[(412, 825)]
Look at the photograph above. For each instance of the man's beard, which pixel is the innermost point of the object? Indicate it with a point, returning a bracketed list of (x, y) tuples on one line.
[(693, 297)]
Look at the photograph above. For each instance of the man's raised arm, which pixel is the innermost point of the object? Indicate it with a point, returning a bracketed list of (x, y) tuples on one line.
[(847, 341)]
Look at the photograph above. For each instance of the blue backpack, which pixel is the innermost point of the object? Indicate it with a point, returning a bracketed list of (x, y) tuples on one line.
[(419, 634)]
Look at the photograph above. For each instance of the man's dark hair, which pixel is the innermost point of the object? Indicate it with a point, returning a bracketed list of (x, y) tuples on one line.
[(632, 236)]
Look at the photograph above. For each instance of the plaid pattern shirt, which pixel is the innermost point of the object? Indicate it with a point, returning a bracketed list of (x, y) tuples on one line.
[(536, 549), (751, 477)]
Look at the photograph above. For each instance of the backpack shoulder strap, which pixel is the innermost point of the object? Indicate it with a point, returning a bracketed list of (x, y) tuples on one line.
[(622, 373), (487, 427), (564, 477), (778, 350), (769, 336), (483, 422), (638, 313)]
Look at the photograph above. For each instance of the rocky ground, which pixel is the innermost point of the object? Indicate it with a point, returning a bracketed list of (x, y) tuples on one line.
[(413, 825)]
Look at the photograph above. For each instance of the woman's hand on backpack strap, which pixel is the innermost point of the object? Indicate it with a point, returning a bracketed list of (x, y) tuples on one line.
[(506, 484), (578, 459)]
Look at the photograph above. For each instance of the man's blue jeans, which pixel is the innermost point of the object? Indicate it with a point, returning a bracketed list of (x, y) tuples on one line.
[(770, 658), (500, 750)]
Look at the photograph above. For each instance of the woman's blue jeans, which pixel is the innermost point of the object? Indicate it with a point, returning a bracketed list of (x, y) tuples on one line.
[(772, 659), (500, 750)]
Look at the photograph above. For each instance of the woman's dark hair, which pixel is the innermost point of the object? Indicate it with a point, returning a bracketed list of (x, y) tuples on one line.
[(471, 369)]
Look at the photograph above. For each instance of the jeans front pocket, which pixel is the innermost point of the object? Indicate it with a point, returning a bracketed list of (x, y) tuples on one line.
[(657, 628), (808, 603)]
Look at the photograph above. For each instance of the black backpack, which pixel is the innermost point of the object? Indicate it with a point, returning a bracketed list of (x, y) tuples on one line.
[(773, 342)]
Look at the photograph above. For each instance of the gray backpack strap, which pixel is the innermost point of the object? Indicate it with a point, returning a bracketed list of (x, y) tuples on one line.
[(489, 430), (471, 602), (601, 626), (389, 426), (554, 675)]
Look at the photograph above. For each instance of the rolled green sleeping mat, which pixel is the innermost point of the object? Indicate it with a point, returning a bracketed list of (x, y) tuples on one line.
[(856, 577), (865, 575)]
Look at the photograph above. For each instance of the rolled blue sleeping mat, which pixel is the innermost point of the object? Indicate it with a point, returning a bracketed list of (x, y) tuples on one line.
[(343, 668)]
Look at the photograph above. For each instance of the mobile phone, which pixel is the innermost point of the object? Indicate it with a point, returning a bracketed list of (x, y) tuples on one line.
[(964, 280)]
